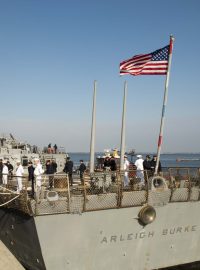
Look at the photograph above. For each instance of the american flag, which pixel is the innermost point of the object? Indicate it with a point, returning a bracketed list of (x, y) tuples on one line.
[(155, 63)]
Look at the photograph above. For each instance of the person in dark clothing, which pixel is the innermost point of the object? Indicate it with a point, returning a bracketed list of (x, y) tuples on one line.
[(113, 165), (55, 148), (106, 164), (147, 167), (50, 170), (10, 169), (153, 164), (113, 168), (31, 177), (54, 164), (147, 163), (49, 167), (82, 169), (1, 169), (69, 170), (49, 149)]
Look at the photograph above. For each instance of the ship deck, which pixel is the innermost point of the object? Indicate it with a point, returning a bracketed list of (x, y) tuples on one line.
[(100, 191)]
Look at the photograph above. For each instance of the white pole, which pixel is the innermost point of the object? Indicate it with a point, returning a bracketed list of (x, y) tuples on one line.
[(123, 131), (93, 129), (164, 104)]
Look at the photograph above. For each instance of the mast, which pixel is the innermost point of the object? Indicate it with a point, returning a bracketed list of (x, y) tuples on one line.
[(164, 104), (93, 129), (123, 131)]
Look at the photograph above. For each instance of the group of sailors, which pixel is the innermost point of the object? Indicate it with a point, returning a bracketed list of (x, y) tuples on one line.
[(147, 166), (111, 165), (34, 169), (68, 169), (144, 167), (6, 169), (52, 150), (35, 172)]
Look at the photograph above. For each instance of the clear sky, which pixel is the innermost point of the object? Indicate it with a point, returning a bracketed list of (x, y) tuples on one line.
[(51, 51)]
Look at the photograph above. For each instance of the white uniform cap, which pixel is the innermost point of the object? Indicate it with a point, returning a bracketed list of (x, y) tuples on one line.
[(18, 161), (139, 156)]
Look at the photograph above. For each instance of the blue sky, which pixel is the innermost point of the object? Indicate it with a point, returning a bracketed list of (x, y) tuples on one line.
[(51, 51)]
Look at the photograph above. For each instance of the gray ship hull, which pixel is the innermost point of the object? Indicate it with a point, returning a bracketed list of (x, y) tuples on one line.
[(108, 239)]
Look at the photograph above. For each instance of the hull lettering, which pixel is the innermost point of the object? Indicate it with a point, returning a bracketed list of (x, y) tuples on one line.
[(140, 236)]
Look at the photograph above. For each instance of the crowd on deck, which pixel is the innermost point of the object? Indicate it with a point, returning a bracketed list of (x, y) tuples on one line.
[(141, 167), (35, 171), (147, 166)]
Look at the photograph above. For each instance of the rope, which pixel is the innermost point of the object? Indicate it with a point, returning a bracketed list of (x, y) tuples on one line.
[(9, 201), (4, 188), (6, 193)]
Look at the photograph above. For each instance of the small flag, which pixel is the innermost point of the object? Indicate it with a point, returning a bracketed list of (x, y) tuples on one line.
[(155, 63)]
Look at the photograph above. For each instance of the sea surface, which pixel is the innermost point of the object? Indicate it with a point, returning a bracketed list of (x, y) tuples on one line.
[(167, 160)]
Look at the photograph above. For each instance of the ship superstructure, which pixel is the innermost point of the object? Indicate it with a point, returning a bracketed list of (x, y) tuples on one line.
[(13, 150)]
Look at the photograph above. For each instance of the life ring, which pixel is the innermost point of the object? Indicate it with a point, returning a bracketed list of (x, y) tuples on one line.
[(52, 196), (157, 183)]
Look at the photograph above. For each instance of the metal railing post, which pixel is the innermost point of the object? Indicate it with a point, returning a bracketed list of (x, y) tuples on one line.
[(68, 189), (190, 186), (85, 195)]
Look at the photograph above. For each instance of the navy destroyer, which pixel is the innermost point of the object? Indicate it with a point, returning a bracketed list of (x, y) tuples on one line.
[(100, 223)]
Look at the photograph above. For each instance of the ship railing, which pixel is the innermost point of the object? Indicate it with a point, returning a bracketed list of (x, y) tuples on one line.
[(101, 190), (13, 195), (11, 182), (184, 183)]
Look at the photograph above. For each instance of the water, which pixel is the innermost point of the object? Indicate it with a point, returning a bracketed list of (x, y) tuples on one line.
[(167, 160)]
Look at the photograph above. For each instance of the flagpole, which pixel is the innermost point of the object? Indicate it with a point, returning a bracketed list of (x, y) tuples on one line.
[(164, 105), (93, 129), (123, 132)]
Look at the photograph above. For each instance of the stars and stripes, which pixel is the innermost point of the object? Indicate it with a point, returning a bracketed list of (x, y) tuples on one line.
[(155, 63)]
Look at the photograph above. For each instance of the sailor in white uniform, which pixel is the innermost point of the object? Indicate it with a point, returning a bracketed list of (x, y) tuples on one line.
[(38, 176), (5, 173), (126, 171), (19, 173), (140, 168)]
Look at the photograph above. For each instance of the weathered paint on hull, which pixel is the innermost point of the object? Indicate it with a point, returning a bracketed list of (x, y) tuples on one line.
[(18, 233), (114, 240), (8, 261), (101, 240)]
